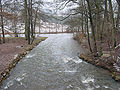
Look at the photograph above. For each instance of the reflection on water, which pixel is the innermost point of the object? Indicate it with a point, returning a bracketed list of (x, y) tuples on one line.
[(54, 65)]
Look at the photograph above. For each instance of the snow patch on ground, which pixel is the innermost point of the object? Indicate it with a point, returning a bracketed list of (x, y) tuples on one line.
[(116, 67), (118, 59), (87, 80), (18, 46), (117, 46), (15, 56)]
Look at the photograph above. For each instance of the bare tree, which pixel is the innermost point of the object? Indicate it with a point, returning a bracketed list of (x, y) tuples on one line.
[(2, 25), (92, 27), (113, 24)]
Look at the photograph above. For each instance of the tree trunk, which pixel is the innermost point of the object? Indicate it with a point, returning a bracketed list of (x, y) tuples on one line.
[(15, 32), (88, 35), (113, 24), (49, 27), (0, 39), (98, 25), (118, 19), (31, 20), (87, 28), (39, 27), (117, 22), (92, 28), (26, 19), (62, 28), (2, 25), (28, 28), (82, 19), (82, 24), (104, 24), (33, 38), (56, 27), (118, 1), (35, 20)]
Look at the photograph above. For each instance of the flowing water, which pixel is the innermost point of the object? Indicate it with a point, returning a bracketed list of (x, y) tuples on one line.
[(54, 65)]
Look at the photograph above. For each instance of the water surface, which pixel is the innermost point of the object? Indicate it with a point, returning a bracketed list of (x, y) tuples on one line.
[(54, 65)]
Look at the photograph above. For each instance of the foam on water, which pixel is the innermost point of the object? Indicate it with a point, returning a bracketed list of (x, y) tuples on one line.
[(97, 86), (76, 60), (87, 80), (90, 88), (19, 79), (30, 56), (105, 86), (10, 83), (66, 59), (70, 71)]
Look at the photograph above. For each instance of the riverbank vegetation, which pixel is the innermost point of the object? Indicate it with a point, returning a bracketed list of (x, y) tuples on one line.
[(96, 25), (20, 19)]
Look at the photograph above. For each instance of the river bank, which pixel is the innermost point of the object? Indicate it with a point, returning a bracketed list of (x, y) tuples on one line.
[(105, 61), (12, 52)]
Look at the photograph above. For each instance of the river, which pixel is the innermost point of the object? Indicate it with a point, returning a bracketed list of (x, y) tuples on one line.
[(54, 65)]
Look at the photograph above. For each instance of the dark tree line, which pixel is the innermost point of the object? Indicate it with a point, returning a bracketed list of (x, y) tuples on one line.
[(15, 12), (100, 17)]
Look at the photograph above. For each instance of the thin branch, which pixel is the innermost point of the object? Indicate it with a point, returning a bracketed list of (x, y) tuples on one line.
[(67, 16), (64, 5), (75, 2)]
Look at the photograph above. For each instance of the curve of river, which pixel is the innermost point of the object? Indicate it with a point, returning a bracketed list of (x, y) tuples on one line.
[(54, 65)]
